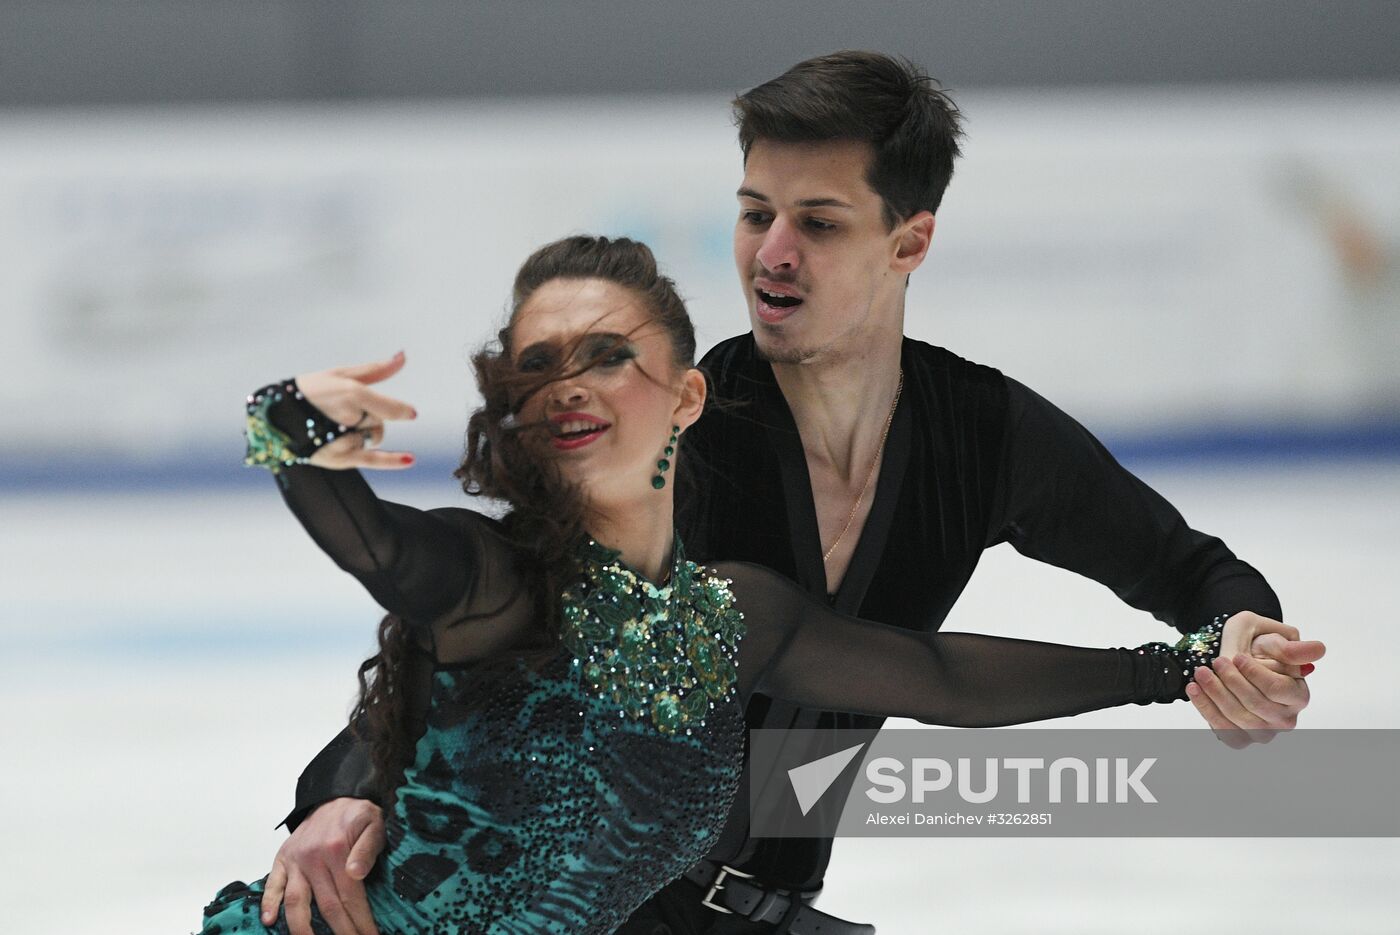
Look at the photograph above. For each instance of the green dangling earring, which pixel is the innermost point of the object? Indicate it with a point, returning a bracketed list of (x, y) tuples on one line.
[(664, 465)]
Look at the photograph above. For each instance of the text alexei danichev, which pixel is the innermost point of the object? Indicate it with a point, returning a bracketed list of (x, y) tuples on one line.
[(959, 818)]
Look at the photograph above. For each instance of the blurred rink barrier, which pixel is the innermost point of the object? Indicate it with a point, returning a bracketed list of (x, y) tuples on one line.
[(1185, 270)]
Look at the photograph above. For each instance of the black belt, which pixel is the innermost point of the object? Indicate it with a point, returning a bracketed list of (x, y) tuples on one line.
[(731, 891)]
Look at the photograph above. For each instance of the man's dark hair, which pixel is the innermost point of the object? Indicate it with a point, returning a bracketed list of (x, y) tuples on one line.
[(890, 103)]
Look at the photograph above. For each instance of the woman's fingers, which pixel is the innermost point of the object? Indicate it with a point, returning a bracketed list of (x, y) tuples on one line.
[(385, 460), (355, 450), (374, 371), (1285, 688), (1226, 732), (1253, 698), (1241, 719), (381, 407), (343, 394)]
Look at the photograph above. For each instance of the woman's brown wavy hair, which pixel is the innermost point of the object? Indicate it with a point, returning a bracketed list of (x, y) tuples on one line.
[(509, 461)]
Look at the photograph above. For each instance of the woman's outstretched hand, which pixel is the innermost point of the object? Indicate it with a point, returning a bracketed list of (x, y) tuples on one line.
[(344, 394)]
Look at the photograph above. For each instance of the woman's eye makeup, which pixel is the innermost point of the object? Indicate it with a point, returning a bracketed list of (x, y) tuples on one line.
[(535, 361), (619, 356), (601, 350), (607, 351)]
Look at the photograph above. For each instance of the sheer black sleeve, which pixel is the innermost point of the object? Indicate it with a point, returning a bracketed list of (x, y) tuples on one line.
[(804, 652), (444, 571), (1063, 499), (418, 564)]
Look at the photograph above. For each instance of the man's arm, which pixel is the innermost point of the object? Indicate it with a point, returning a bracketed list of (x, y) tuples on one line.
[(341, 770), (1061, 498), (337, 835)]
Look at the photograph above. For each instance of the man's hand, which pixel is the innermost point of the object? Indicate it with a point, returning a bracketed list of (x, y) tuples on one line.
[(1255, 688), (326, 860)]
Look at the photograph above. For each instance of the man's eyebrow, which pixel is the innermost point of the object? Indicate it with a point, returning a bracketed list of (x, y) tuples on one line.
[(804, 203)]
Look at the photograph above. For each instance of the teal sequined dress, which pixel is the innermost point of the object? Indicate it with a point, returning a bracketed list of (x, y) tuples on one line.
[(558, 797)]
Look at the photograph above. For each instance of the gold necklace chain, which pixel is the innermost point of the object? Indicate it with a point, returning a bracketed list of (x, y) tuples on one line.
[(870, 474)]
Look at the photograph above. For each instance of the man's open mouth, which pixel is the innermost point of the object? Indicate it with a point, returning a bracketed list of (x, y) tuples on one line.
[(777, 300)]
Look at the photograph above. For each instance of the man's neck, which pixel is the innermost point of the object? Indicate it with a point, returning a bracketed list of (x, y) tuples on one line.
[(840, 405)]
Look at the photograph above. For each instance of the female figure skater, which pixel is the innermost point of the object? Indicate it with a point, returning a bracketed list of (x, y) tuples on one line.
[(558, 697)]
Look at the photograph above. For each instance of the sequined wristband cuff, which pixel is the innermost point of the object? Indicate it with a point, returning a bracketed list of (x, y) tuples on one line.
[(271, 447), (1192, 650)]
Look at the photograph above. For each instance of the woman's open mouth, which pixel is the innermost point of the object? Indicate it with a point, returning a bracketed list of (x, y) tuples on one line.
[(575, 429)]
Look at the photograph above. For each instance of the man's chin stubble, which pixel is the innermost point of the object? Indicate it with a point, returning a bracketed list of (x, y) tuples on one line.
[(785, 355)]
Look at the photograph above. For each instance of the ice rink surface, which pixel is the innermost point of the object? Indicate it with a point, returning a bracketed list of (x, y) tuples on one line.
[(172, 660)]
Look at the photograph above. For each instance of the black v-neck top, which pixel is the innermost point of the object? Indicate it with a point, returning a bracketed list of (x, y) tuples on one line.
[(973, 459)]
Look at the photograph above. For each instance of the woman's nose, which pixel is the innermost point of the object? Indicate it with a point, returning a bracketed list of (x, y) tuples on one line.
[(568, 393)]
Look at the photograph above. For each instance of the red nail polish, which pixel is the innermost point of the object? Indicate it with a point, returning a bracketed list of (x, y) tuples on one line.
[(1307, 668), (406, 459)]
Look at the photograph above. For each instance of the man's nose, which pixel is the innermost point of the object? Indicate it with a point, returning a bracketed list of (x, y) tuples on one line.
[(779, 248)]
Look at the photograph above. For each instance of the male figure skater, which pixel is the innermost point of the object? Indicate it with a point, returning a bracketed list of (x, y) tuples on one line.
[(867, 467)]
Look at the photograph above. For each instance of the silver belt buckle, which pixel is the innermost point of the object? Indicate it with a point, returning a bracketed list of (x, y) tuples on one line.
[(724, 871)]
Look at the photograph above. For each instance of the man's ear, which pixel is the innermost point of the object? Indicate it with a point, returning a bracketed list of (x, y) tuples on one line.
[(693, 392), (915, 237)]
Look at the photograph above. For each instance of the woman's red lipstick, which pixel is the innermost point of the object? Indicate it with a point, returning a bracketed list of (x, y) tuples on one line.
[(575, 429)]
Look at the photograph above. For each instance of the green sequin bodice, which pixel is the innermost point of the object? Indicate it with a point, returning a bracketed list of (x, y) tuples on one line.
[(664, 654)]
